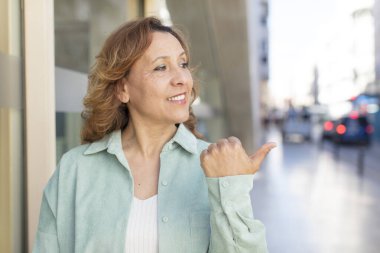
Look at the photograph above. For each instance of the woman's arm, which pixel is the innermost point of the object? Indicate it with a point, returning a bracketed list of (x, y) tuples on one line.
[(229, 172), (233, 228)]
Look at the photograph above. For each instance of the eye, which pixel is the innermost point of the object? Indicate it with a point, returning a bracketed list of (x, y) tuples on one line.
[(161, 67), (184, 65)]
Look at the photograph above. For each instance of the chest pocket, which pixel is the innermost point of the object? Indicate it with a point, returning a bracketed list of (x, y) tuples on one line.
[(200, 231)]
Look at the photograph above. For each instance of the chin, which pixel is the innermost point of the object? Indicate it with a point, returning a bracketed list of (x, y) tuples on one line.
[(181, 119)]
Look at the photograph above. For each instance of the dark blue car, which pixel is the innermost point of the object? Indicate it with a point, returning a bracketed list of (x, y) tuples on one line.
[(354, 129)]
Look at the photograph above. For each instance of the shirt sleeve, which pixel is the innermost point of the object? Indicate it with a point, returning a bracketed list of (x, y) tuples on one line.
[(46, 236), (233, 227)]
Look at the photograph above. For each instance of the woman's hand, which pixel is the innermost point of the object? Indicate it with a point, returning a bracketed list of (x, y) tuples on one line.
[(227, 157)]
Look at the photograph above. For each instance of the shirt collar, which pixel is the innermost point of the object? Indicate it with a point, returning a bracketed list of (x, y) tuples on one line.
[(112, 142), (185, 139)]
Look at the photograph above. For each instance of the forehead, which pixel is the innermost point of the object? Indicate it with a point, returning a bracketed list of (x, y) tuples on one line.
[(163, 44)]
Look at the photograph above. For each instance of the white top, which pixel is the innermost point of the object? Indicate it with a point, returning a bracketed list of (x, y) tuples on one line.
[(142, 226)]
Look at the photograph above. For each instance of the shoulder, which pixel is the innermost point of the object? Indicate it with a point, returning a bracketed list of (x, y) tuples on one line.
[(78, 158), (87, 151), (65, 165), (74, 154)]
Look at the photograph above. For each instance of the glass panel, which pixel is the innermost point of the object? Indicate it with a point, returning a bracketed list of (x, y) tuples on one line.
[(11, 130), (81, 27)]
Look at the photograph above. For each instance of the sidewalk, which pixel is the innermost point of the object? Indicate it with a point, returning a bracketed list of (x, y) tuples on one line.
[(305, 191), (375, 148)]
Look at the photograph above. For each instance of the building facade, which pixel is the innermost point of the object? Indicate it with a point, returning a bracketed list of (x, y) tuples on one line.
[(348, 65)]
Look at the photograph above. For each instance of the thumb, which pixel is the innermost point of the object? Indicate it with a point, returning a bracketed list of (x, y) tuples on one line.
[(258, 157)]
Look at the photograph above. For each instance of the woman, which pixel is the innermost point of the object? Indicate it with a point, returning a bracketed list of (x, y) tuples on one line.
[(143, 181)]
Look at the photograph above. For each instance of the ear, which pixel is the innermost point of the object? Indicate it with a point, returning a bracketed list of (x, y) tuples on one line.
[(122, 90)]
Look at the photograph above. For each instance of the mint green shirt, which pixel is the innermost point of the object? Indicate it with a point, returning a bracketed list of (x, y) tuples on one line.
[(86, 203)]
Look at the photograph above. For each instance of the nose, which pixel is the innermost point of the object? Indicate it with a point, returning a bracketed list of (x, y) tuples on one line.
[(181, 77)]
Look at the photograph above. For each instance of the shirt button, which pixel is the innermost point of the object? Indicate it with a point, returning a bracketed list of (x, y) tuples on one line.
[(165, 219), (225, 184), (164, 182)]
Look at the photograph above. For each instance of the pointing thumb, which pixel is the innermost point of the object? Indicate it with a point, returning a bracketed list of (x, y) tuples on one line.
[(258, 157)]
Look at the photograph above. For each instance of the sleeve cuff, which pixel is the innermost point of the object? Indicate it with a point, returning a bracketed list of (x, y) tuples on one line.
[(226, 194)]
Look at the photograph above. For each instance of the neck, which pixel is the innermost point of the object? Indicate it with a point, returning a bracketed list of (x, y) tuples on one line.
[(146, 140)]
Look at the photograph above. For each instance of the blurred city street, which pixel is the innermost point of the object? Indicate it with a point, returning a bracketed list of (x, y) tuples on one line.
[(315, 200)]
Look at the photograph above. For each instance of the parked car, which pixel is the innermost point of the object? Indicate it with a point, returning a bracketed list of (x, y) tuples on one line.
[(353, 129), (297, 127)]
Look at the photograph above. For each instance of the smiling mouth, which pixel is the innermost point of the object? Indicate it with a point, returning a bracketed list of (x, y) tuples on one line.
[(179, 99)]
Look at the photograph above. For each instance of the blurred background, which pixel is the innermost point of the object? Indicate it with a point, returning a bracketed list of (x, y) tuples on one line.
[(302, 73)]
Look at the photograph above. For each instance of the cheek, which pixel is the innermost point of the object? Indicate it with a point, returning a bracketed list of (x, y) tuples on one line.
[(150, 86), (190, 81)]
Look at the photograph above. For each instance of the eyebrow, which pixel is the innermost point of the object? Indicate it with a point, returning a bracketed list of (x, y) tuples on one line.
[(165, 57)]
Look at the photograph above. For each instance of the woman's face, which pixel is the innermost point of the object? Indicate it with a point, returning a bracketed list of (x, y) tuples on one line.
[(159, 84)]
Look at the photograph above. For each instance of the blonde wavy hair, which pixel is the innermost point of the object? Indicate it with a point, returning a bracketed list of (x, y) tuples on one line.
[(103, 111)]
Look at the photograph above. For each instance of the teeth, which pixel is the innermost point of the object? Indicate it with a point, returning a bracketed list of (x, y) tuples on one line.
[(177, 98)]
